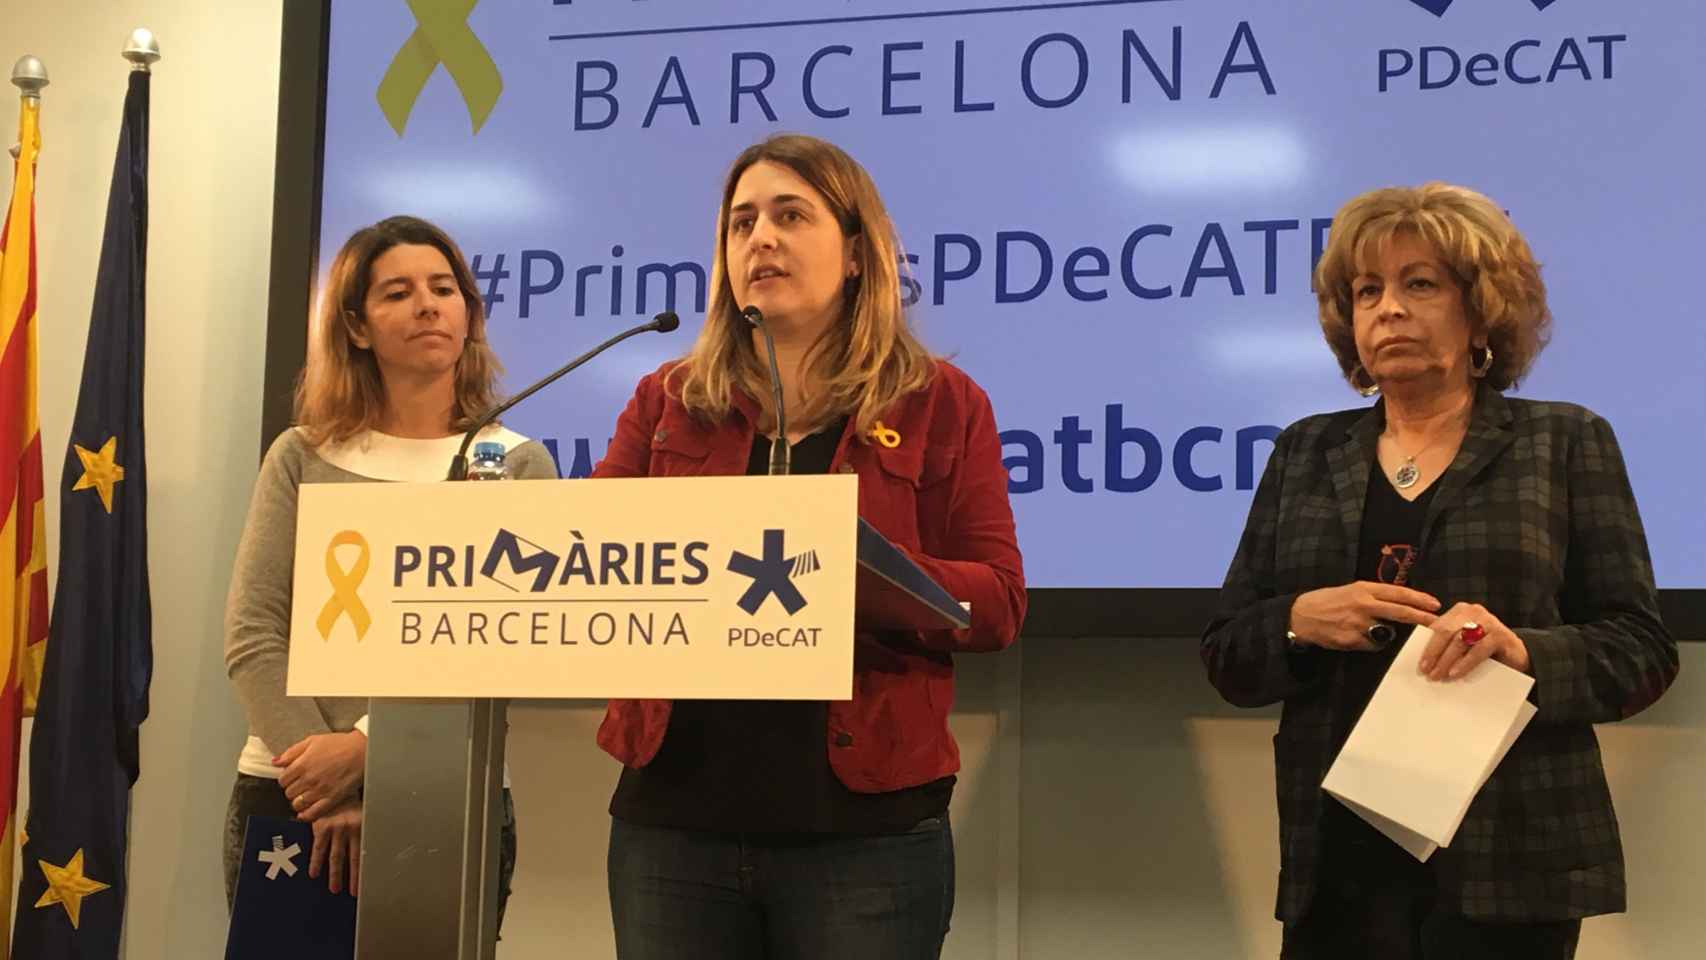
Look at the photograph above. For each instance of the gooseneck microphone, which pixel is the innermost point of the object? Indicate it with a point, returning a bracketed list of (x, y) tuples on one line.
[(781, 451), (662, 323)]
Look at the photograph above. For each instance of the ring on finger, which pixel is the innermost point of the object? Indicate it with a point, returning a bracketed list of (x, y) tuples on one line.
[(1471, 633), (1381, 634)]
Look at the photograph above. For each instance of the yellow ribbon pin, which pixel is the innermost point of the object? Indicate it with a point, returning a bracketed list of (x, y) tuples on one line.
[(345, 600), (885, 436), (442, 35)]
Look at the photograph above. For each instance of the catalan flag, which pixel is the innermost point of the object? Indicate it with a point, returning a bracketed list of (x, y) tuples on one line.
[(94, 683), (23, 538)]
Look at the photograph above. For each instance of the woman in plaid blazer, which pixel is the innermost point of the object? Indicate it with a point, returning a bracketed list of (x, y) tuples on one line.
[(1506, 525)]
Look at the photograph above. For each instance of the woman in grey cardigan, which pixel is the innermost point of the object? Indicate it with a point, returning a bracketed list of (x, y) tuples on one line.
[(1508, 526), (398, 366)]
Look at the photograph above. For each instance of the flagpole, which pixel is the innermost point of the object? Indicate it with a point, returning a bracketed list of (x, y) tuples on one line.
[(29, 76), (142, 50)]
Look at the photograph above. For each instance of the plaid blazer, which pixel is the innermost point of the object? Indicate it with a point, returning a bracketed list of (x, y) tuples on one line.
[(1535, 520)]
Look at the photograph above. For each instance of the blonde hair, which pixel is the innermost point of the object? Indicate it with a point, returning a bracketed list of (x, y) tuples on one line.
[(1487, 256), (340, 393), (862, 365)]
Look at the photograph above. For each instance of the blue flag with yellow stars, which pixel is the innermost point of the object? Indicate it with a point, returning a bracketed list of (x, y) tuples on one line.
[(94, 688)]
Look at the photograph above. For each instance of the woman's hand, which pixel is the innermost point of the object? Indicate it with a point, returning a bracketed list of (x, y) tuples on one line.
[(322, 771), (1448, 657), (337, 845), (1338, 618)]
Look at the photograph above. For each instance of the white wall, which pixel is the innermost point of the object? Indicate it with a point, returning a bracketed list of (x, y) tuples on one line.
[(1111, 807), (214, 112)]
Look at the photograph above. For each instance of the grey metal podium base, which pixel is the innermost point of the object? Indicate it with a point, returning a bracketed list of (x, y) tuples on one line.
[(429, 843)]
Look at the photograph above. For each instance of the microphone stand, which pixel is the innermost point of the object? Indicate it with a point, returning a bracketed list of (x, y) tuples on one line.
[(662, 323), (781, 451)]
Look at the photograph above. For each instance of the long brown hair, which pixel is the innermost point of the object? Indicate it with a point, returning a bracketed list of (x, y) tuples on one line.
[(340, 393), (861, 365)]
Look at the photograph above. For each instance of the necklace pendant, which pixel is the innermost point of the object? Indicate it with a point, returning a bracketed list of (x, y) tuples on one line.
[(1407, 475)]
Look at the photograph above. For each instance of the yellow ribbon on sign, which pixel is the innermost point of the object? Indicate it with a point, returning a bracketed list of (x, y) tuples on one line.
[(345, 600), (441, 35), (885, 436)]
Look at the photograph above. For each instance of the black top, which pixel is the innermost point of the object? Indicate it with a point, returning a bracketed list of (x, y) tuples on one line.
[(1390, 552), (762, 766)]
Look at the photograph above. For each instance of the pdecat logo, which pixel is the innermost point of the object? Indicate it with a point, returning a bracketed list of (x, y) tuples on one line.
[(1439, 7), (1481, 60), (441, 37), (773, 575), (345, 601)]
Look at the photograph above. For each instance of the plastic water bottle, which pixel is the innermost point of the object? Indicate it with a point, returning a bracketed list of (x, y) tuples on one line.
[(488, 462)]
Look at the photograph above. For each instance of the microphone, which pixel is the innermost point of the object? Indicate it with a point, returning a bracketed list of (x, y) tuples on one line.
[(781, 452), (662, 323)]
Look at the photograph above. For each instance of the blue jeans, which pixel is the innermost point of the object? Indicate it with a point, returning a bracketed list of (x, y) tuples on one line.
[(691, 895)]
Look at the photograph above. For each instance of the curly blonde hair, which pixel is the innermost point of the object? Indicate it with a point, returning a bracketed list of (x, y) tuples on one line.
[(1487, 256), (340, 393), (861, 365)]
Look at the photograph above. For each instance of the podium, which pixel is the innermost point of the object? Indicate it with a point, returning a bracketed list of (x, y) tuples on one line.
[(441, 602)]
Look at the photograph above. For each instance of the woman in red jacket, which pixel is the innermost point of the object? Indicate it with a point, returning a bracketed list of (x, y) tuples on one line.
[(781, 829)]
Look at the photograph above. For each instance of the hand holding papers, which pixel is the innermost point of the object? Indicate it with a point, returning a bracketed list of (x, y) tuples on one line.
[(1423, 749)]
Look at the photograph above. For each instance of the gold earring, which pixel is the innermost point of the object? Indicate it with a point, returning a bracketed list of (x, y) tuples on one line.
[(1369, 389), (1485, 366)]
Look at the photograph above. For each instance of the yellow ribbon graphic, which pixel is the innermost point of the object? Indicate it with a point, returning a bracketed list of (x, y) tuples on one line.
[(345, 583), (884, 435), (442, 35)]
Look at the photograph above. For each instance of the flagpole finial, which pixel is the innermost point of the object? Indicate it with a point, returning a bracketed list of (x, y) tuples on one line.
[(142, 50), (29, 76)]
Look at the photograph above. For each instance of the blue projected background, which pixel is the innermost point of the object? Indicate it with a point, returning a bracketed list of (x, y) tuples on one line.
[(1111, 210)]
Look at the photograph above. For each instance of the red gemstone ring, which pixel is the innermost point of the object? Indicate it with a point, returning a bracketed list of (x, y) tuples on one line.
[(1472, 633)]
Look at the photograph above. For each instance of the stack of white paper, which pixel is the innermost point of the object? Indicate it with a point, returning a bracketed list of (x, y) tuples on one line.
[(1423, 749)]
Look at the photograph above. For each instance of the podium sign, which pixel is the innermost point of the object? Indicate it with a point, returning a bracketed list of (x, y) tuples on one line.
[(702, 587)]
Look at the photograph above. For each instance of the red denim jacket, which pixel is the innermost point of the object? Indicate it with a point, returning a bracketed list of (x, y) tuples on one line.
[(940, 495)]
